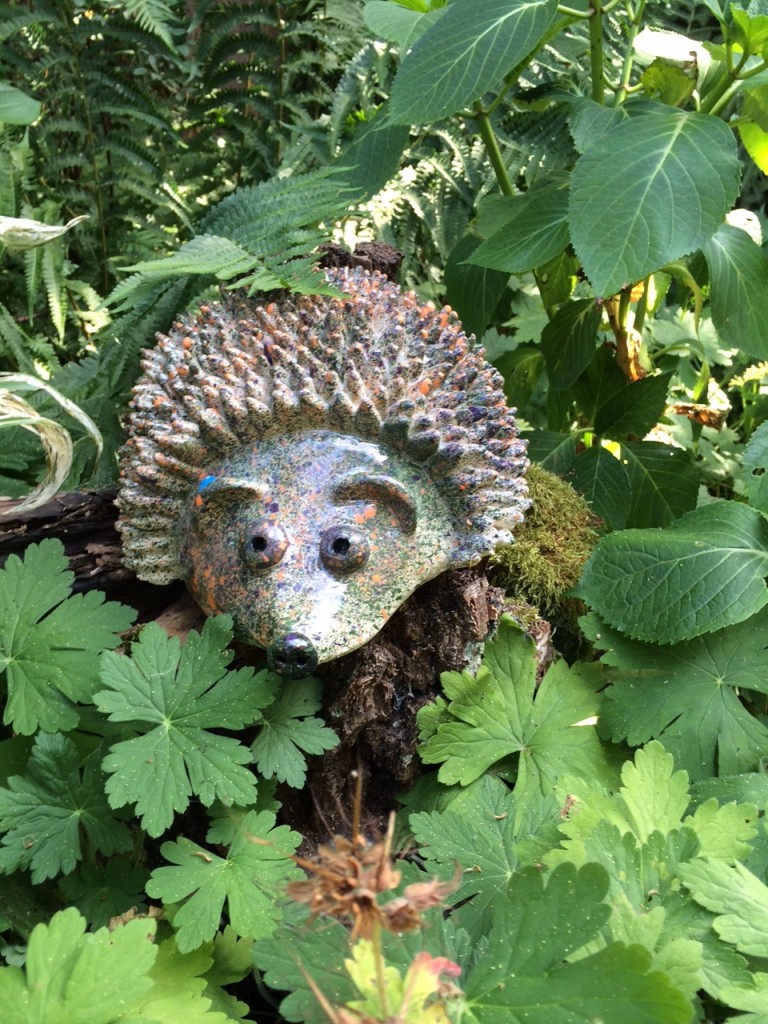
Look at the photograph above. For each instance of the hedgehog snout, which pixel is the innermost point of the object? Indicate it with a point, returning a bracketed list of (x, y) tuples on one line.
[(293, 656)]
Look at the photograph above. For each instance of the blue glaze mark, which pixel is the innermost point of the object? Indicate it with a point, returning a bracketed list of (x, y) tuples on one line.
[(204, 483)]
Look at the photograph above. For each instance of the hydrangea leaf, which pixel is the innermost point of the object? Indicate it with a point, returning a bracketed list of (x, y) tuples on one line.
[(738, 269), (502, 711), (43, 812), (250, 879), (49, 639), (522, 976), (684, 169), (465, 53), (755, 478), (701, 719), (702, 572), (288, 728), (174, 696)]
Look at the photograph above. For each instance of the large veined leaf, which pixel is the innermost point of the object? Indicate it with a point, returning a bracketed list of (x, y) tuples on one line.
[(568, 341), (703, 572), (16, 107), (535, 230), (654, 189), (467, 52), (738, 274)]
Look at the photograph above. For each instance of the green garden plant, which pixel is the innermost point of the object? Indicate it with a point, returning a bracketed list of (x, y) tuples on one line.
[(585, 184)]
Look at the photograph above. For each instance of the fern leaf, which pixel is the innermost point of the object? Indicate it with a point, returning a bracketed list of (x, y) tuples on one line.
[(154, 16)]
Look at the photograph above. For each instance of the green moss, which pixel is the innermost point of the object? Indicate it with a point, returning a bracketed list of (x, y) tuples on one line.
[(550, 548)]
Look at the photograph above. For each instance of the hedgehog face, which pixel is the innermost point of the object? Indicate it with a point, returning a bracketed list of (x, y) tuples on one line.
[(311, 542)]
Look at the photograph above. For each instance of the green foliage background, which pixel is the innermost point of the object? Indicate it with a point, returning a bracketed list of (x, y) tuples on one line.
[(585, 184)]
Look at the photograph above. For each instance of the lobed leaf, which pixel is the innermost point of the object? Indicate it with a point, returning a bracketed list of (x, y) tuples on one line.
[(288, 727), (250, 880), (700, 719), (43, 812), (49, 640), (501, 711), (174, 696)]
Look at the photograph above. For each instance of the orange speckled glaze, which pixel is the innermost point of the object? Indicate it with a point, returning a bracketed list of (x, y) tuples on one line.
[(305, 465), (326, 528)]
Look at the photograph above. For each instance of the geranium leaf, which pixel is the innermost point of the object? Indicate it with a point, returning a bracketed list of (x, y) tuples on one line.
[(288, 727), (46, 813), (174, 697), (49, 640), (250, 879), (501, 711), (700, 719)]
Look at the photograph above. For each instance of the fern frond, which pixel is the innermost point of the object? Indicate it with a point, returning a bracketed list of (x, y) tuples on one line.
[(154, 16)]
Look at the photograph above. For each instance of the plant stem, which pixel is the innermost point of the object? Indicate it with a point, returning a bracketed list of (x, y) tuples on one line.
[(378, 959), (491, 144), (642, 307), (596, 50), (626, 70)]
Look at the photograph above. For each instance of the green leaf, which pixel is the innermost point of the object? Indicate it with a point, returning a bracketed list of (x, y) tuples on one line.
[(174, 696), (684, 170), (738, 898), (16, 107), (700, 719), (397, 24), (75, 978), (49, 641), (501, 711), (181, 992), (487, 835), (755, 469), (590, 120), (603, 481), (702, 572), (474, 292), (103, 891), (465, 54), (287, 729), (568, 341), (535, 231), (206, 254), (374, 155), (738, 274), (251, 880), (635, 409), (43, 811), (522, 977), (663, 482), (105, 977)]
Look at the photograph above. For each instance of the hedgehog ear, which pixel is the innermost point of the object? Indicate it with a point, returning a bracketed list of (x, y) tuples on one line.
[(379, 488), (224, 490)]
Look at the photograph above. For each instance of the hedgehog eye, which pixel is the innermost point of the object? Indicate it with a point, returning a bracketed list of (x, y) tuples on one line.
[(343, 548), (264, 544)]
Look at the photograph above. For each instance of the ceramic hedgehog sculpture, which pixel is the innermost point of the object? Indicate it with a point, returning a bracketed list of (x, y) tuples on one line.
[(307, 464)]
